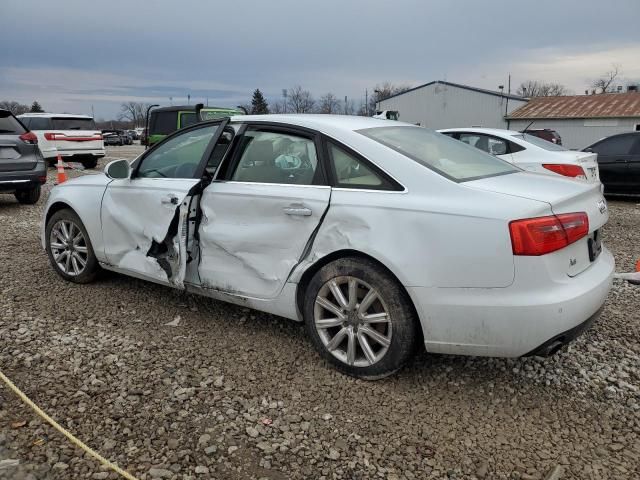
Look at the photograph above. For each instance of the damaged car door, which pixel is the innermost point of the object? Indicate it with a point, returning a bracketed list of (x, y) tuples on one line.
[(260, 214), (145, 217)]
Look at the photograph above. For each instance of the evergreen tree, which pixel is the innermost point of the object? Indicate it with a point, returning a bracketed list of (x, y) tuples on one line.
[(36, 107), (259, 105)]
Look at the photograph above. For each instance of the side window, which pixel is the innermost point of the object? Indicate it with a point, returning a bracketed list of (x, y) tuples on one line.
[(25, 121), (635, 150), (275, 157), (615, 145), (187, 118), (492, 145), (178, 157), (351, 172), (219, 151), (164, 123), (514, 147)]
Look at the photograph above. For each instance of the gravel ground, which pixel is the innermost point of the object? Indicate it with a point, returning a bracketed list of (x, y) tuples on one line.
[(229, 393)]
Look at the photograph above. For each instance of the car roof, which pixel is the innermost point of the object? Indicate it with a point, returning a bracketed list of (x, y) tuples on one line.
[(57, 115), (322, 122), (498, 132)]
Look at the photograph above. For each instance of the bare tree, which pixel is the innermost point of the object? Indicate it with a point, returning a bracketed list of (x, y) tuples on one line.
[(14, 107), (382, 92), (277, 107), (134, 112), (329, 103), (300, 100), (537, 88), (604, 84)]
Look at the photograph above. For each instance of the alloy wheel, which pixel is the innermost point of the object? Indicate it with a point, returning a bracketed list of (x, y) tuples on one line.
[(68, 247), (352, 321)]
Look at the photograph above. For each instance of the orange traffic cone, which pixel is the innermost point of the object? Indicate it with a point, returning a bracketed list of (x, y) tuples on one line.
[(638, 266), (62, 176)]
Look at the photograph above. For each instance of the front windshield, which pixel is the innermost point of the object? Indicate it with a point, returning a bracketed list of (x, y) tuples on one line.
[(540, 142), (450, 158)]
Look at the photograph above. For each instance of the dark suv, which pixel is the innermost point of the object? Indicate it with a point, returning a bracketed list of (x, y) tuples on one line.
[(22, 168), (545, 133)]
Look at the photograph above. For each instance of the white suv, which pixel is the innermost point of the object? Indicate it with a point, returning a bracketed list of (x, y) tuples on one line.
[(74, 137)]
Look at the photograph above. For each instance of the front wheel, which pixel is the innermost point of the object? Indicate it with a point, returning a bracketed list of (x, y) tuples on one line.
[(360, 318), (69, 248)]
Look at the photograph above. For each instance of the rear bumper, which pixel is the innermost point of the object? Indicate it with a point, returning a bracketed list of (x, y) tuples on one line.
[(50, 154), (512, 321), (12, 181)]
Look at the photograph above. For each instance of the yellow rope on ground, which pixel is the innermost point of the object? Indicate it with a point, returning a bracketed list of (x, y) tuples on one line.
[(63, 431)]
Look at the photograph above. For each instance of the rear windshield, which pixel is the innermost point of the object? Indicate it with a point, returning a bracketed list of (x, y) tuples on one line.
[(9, 125), (70, 123), (540, 142), (452, 159), (187, 118)]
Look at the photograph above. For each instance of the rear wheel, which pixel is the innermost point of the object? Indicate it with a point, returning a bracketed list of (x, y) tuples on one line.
[(360, 318), (90, 163), (30, 196), (69, 248)]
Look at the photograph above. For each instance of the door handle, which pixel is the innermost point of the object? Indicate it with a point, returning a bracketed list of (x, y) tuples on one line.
[(301, 211), (169, 200)]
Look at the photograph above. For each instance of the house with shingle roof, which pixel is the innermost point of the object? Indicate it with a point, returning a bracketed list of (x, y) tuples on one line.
[(580, 119)]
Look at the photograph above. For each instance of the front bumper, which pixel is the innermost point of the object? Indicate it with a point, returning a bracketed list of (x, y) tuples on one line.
[(512, 321), (12, 181)]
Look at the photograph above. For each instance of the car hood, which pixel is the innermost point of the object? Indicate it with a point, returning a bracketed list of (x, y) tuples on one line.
[(563, 195)]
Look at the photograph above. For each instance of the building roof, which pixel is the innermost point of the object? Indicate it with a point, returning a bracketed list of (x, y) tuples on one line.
[(605, 105), (458, 85)]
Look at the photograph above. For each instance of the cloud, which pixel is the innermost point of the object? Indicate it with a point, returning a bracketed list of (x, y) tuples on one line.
[(74, 54)]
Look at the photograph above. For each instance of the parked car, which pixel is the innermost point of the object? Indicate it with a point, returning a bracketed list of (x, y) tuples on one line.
[(544, 133), (133, 134), (529, 152), (166, 120), (143, 137), (112, 137), (376, 234), (74, 137), (22, 168), (127, 138), (619, 162)]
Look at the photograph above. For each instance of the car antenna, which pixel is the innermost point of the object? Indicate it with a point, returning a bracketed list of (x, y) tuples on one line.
[(527, 127)]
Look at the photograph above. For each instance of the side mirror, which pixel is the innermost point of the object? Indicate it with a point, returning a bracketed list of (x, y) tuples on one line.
[(118, 169), (588, 150)]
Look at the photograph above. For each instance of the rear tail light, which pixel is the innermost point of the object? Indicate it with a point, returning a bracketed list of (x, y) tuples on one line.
[(538, 236), (574, 171), (50, 136), (29, 138), (98, 136)]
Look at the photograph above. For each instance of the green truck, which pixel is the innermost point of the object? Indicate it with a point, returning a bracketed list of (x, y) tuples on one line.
[(166, 120)]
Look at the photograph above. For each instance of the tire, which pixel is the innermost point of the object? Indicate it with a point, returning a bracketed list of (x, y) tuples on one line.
[(395, 339), (82, 249), (91, 163), (30, 196)]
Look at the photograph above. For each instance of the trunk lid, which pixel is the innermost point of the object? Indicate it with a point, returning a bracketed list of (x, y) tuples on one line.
[(15, 154), (588, 162), (75, 133), (563, 196)]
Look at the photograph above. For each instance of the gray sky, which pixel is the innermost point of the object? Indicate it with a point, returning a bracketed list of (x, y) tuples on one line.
[(72, 54)]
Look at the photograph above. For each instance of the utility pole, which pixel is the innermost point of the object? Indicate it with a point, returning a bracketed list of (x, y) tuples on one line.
[(284, 94), (345, 104), (93, 113), (188, 98), (366, 101)]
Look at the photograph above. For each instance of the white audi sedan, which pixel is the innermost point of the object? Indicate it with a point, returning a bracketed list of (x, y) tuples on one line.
[(378, 236), (529, 152)]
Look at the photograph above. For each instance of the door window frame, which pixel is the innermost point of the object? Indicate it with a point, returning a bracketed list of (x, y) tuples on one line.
[(231, 161), (221, 122)]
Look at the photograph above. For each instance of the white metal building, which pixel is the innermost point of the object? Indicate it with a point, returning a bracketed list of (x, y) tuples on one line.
[(443, 104), (581, 119)]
